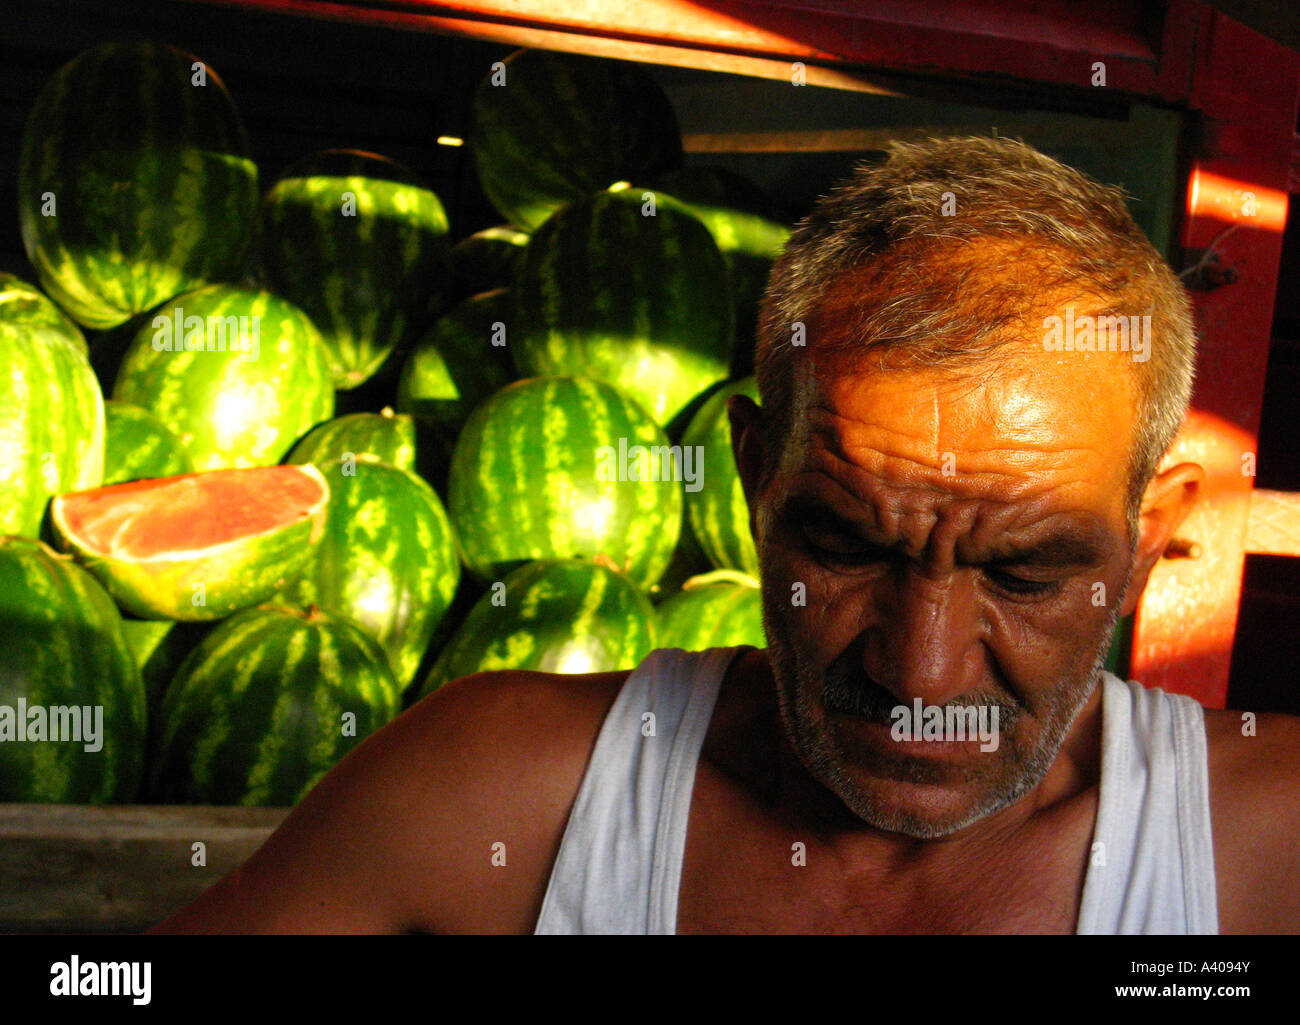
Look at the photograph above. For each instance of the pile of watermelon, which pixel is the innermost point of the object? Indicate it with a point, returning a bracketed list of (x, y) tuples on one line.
[(280, 459)]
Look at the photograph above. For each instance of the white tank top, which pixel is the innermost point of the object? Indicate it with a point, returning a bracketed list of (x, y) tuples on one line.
[(1151, 863)]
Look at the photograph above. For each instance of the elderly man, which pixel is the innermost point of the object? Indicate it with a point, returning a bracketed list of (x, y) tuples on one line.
[(953, 489)]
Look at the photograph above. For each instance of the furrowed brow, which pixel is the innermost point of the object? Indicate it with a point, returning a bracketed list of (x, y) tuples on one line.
[(1064, 548)]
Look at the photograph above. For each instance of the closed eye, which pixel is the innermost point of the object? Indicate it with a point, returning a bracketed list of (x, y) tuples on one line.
[(832, 546), (1019, 585)]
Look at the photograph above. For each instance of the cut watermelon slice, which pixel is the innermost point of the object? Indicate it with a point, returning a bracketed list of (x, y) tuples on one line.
[(199, 546)]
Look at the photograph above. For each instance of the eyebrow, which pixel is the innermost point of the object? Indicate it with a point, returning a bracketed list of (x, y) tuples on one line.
[(1062, 548)]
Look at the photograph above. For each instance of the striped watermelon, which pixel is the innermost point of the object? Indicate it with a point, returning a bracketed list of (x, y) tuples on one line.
[(459, 362), (22, 303), (384, 437), (159, 647), (388, 560), (555, 616), (135, 182), (265, 706), (147, 639), (716, 610), (360, 244), (51, 418), (62, 645), (743, 223), (549, 128), (487, 259), (254, 378), (536, 475), (137, 446), (718, 513), (199, 546), (642, 302)]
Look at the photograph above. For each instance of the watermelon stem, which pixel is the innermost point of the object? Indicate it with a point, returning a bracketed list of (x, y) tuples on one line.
[(733, 576)]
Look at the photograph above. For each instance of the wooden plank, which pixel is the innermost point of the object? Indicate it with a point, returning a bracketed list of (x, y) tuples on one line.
[(1039, 40), (857, 140), (119, 868)]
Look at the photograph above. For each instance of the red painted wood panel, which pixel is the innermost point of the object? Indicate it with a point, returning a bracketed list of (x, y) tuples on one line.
[(1245, 89)]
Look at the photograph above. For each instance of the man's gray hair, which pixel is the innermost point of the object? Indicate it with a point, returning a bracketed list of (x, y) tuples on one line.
[(930, 301)]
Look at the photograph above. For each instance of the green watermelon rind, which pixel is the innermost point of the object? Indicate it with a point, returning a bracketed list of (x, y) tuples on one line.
[(362, 276), (487, 259), (453, 367), (229, 409), (556, 612), (51, 424), (717, 512), (387, 560), (64, 644), (257, 713), (530, 453), (548, 128), (139, 446), (640, 302), (384, 437), (23, 303), (144, 211), (717, 614)]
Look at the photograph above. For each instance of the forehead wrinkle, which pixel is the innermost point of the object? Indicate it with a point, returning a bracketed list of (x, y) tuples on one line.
[(970, 520), (972, 529), (826, 438)]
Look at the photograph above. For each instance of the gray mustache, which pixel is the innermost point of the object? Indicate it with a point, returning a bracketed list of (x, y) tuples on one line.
[(876, 704)]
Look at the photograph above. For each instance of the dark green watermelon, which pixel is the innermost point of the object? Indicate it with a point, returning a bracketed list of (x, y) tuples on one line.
[(742, 220), (159, 646), (555, 616), (384, 437), (51, 417), (62, 647), (137, 445), (718, 513), (487, 259), (239, 375), (688, 561), (560, 467), (721, 609), (151, 178), (388, 560), (549, 128), (459, 362), (640, 301), (265, 706), (359, 242)]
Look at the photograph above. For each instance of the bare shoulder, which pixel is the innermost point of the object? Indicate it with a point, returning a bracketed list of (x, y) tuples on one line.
[(1254, 767), (446, 820)]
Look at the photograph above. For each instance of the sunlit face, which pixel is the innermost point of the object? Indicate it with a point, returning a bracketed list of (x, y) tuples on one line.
[(958, 541)]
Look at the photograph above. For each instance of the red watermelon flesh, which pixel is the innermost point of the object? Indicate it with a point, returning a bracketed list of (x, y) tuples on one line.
[(193, 512), (199, 546)]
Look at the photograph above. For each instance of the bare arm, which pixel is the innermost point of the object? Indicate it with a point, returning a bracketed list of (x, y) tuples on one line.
[(1255, 809), (399, 835)]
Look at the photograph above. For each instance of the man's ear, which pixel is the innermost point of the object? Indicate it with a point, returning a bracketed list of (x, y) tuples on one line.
[(1168, 499), (747, 445)]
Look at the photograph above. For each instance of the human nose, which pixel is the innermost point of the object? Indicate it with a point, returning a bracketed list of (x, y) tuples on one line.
[(926, 638)]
